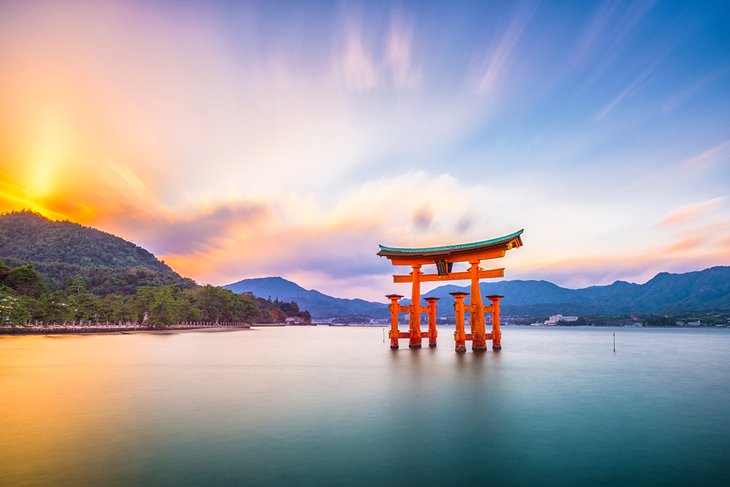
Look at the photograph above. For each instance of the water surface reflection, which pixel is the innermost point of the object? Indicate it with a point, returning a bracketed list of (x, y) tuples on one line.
[(332, 406)]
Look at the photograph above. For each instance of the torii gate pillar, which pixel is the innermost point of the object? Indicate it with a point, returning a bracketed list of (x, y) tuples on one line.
[(496, 330), (394, 309), (459, 333), (478, 331), (415, 315), (432, 333)]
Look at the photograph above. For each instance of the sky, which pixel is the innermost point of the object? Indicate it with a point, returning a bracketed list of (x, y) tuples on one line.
[(247, 139)]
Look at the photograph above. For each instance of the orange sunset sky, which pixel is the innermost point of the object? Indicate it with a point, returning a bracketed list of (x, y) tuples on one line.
[(260, 139)]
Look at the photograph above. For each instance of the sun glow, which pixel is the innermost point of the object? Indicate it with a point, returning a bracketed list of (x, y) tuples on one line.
[(236, 154), (46, 158)]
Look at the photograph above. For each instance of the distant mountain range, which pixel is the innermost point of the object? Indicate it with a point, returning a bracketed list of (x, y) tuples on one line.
[(707, 290), (319, 305)]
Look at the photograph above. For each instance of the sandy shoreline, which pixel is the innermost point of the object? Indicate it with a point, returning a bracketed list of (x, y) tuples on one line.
[(118, 330)]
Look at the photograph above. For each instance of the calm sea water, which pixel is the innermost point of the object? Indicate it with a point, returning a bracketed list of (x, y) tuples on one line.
[(334, 406)]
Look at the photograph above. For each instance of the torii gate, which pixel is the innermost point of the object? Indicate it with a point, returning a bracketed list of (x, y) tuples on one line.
[(444, 258)]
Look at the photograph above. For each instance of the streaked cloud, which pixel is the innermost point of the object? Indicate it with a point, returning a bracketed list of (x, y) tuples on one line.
[(369, 60), (607, 36), (399, 54), (632, 88), (682, 97), (692, 212), (686, 244), (502, 51), (708, 159), (359, 66), (595, 31)]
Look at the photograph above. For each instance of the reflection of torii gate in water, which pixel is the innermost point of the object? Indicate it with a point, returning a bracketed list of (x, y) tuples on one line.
[(444, 258)]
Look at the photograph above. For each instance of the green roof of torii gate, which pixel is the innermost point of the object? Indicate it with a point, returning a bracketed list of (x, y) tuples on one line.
[(448, 249)]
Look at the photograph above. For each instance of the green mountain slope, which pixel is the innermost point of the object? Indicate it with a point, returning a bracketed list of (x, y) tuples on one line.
[(64, 252)]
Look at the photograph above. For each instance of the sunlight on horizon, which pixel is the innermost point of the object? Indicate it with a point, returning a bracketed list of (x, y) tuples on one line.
[(239, 141)]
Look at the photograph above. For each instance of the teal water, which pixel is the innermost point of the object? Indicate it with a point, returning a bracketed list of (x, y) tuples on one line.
[(334, 406)]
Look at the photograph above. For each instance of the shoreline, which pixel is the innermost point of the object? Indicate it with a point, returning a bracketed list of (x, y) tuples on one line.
[(118, 330), (128, 330)]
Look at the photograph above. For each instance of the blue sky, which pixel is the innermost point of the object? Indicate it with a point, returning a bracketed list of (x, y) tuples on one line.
[(290, 138)]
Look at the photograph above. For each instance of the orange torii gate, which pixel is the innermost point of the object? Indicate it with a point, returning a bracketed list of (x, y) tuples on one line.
[(444, 258)]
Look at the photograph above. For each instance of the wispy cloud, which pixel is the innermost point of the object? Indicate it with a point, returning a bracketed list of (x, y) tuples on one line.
[(501, 53), (359, 66), (606, 37), (632, 88), (686, 94), (691, 212), (399, 54), (595, 31), (370, 61), (708, 159), (686, 244)]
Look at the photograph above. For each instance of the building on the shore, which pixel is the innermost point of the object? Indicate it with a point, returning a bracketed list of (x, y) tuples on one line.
[(379, 321), (554, 319)]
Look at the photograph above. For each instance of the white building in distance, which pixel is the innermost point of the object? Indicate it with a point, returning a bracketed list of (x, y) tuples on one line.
[(553, 320)]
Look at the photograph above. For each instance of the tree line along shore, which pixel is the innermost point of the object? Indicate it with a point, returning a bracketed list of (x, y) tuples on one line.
[(82, 328), (26, 301)]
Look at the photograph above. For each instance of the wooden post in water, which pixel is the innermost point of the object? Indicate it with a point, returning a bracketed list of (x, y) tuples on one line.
[(478, 331), (614, 341), (459, 334), (415, 316), (496, 330), (432, 333), (394, 308)]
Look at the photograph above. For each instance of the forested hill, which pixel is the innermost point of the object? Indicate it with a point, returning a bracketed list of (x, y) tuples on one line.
[(63, 251)]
